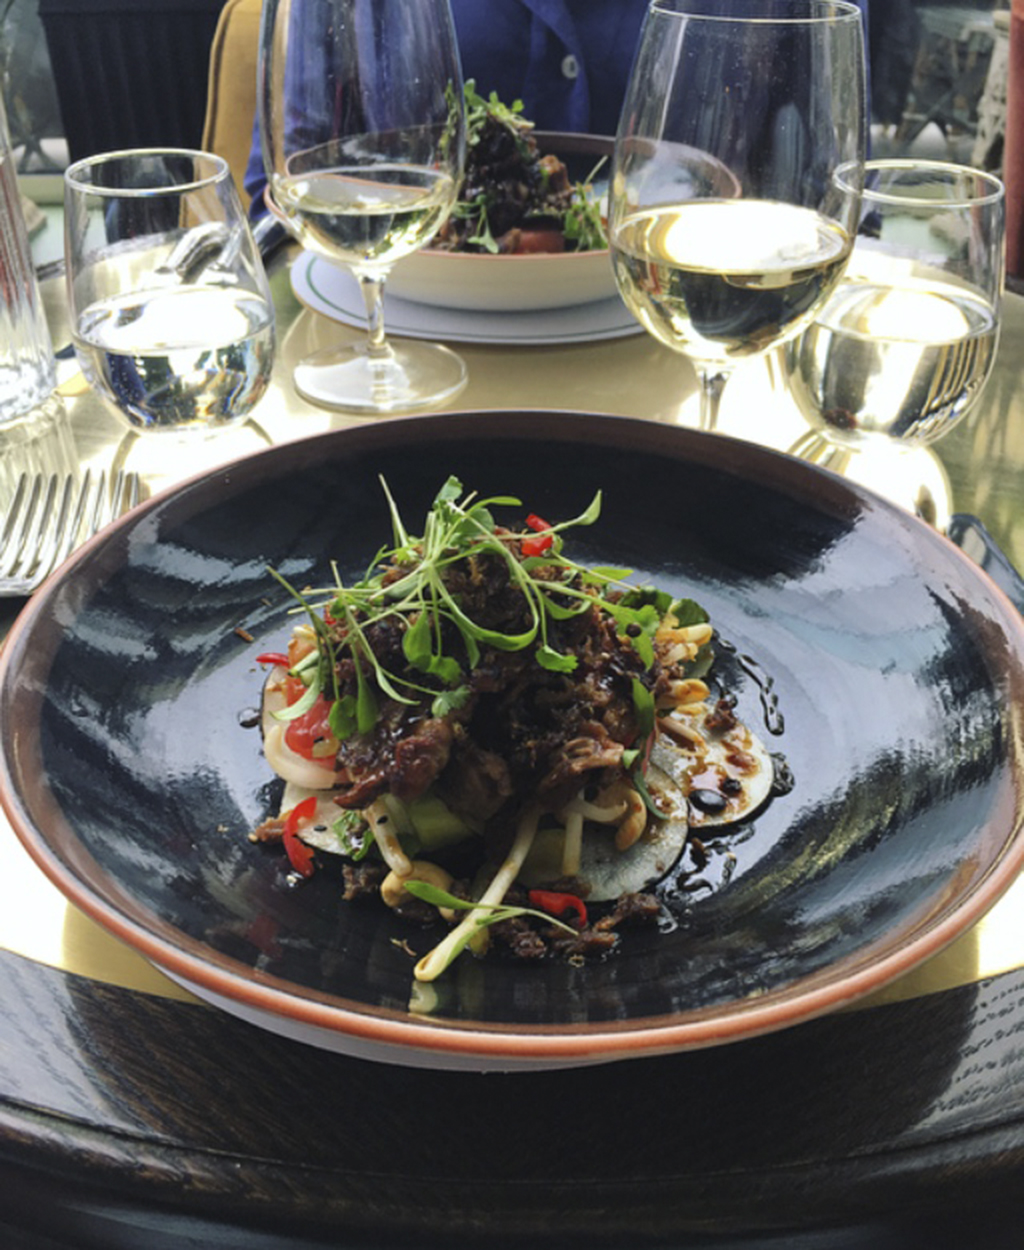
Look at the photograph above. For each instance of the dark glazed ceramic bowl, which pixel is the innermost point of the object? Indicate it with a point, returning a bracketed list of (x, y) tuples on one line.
[(874, 657)]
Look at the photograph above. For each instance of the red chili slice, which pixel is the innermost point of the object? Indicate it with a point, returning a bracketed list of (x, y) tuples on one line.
[(557, 904), (544, 540), (273, 657), (313, 730), (300, 856)]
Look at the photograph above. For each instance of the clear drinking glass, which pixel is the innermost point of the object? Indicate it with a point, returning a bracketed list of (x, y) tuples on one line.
[(904, 346), (362, 117), (171, 312), (728, 227), (27, 367)]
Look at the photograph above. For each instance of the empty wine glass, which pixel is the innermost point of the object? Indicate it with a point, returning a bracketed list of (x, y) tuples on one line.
[(171, 313), (728, 228), (362, 119), (903, 348)]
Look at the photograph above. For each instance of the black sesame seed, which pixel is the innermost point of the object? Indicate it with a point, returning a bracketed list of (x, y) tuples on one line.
[(708, 801)]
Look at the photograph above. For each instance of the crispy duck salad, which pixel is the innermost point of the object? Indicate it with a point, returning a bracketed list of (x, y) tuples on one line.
[(513, 199), (489, 733)]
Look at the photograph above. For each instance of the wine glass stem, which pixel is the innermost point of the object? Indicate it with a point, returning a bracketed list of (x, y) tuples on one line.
[(712, 384), (377, 345)]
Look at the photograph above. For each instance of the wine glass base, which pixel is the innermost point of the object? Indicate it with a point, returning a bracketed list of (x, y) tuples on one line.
[(912, 477), (412, 376)]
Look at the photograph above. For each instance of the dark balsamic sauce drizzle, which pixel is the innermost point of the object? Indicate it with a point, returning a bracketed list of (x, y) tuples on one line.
[(709, 861), (782, 775), (774, 721)]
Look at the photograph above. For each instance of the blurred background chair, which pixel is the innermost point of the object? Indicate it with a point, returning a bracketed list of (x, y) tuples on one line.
[(33, 114), (231, 90), (954, 48), (130, 73)]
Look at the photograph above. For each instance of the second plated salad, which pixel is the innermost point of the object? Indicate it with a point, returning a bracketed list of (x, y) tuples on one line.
[(513, 198)]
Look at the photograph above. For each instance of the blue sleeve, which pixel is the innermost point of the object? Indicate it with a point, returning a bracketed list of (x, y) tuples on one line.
[(255, 175)]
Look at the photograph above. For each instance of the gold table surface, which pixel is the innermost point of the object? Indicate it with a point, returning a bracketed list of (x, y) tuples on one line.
[(978, 469)]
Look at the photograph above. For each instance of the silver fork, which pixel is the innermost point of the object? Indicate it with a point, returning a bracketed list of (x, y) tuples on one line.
[(49, 516)]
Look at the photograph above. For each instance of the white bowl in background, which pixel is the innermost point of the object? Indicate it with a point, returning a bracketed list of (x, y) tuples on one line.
[(516, 283)]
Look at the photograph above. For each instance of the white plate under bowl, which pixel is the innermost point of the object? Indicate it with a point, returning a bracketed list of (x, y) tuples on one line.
[(334, 292)]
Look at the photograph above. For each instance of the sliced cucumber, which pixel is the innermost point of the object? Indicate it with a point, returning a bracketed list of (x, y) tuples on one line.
[(435, 824)]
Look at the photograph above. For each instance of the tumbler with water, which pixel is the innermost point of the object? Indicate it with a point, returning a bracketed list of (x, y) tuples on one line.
[(27, 367)]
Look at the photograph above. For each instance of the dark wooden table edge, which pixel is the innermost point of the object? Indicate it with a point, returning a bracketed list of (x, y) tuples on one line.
[(56, 1163)]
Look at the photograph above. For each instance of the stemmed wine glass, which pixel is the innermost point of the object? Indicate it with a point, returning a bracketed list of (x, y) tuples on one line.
[(902, 350), (727, 224), (363, 126)]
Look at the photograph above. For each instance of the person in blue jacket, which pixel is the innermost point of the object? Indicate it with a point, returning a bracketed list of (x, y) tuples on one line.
[(567, 60)]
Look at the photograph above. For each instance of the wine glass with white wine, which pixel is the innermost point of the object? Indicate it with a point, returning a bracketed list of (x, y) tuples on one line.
[(902, 350), (727, 224), (363, 127)]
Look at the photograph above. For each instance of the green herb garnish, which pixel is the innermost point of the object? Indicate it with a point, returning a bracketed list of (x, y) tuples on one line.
[(495, 912), (441, 642), (582, 226)]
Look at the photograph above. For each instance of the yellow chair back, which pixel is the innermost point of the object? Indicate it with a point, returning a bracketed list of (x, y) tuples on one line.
[(231, 90)]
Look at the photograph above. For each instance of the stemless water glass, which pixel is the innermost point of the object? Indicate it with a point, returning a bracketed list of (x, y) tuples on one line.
[(171, 313), (27, 366), (362, 117), (728, 227), (907, 341)]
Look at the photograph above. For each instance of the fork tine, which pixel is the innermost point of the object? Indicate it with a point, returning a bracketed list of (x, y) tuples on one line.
[(53, 533), (67, 536), (18, 523), (111, 500), (96, 516), (20, 557), (15, 513), (14, 529), (124, 495), (49, 518), (133, 492)]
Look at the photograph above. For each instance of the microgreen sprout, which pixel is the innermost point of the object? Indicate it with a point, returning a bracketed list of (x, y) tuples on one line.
[(478, 109), (354, 834), (479, 916), (495, 912), (415, 591), (441, 642), (583, 225)]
